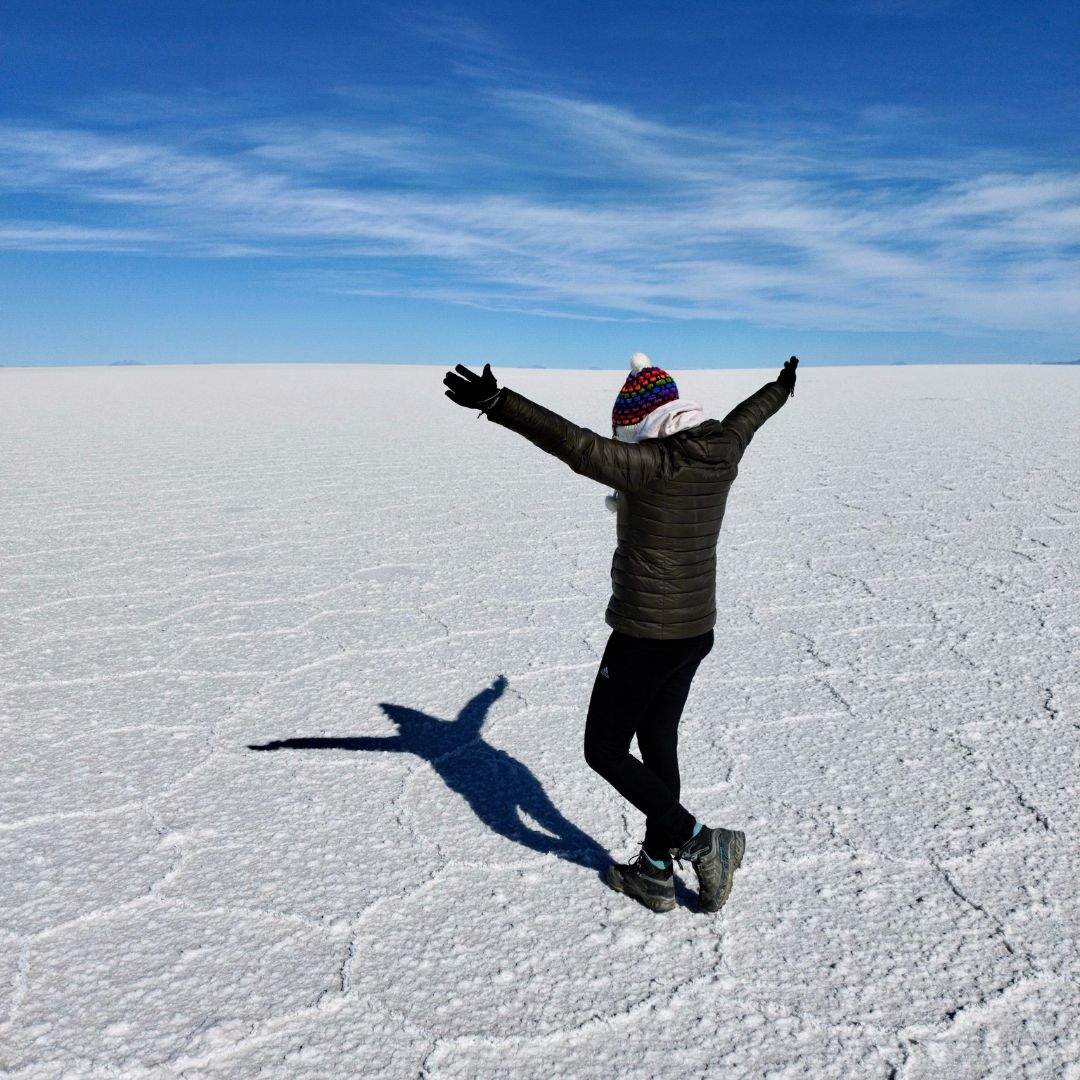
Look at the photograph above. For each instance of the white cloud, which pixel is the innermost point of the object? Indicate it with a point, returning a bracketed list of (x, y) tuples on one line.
[(581, 209), (48, 236)]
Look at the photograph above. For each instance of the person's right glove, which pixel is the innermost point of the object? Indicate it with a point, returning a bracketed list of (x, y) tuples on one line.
[(786, 378)]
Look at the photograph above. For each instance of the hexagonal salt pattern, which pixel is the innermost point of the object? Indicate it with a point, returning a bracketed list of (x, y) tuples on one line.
[(338, 1037), (47, 772), (704, 1028), (555, 948), (1028, 1030), (61, 870), (293, 695), (291, 832), (881, 942), (148, 985)]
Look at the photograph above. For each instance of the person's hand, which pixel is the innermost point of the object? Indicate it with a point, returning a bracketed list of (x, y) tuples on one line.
[(470, 390), (786, 378)]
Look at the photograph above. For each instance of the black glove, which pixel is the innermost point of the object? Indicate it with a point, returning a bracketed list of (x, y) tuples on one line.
[(471, 390), (786, 378)]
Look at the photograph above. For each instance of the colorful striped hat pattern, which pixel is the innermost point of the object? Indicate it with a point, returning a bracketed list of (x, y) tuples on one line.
[(645, 388)]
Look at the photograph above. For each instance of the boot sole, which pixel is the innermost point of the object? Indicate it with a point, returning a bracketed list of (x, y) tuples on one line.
[(653, 903), (732, 855)]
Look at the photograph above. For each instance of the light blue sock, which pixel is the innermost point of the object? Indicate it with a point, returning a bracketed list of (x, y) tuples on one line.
[(697, 829), (659, 864)]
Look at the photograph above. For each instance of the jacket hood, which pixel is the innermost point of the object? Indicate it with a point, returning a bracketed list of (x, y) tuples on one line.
[(697, 442)]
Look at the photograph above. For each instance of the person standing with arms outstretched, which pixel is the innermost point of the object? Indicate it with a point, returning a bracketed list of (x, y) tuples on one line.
[(671, 469)]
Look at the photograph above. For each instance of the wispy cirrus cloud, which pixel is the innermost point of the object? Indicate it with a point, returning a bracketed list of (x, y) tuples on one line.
[(569, 207), (37, 236)]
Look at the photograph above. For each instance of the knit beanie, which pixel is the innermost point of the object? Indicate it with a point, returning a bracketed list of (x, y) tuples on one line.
[(645, 388)]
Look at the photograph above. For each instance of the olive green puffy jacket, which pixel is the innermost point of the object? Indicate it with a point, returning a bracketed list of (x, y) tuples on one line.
[(672, 493)]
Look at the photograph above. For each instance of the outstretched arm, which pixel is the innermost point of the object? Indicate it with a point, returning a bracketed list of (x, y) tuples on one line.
[(623, 466), (343, 742), (750, 414)]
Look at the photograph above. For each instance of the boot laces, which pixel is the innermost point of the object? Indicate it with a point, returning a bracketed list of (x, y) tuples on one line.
[(640, 864)]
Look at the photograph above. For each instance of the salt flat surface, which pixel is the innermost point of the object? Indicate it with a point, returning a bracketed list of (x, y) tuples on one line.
[(198, 560)]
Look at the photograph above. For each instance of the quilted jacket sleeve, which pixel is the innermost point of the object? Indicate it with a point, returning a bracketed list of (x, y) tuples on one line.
[(749, 415), (623, 466)]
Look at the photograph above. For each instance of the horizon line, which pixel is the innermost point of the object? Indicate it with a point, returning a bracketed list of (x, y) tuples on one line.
[(525, 367)]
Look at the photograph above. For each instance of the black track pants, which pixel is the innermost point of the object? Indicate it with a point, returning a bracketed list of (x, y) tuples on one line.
[(640, 689)]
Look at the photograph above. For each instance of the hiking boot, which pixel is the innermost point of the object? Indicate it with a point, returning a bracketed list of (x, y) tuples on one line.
[(643, 881), (715, 855)]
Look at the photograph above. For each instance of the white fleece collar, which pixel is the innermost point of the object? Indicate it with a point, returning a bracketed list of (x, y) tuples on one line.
[(669, 418)]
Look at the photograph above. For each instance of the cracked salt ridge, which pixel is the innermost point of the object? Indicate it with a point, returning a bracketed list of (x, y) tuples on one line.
[(243, 839)]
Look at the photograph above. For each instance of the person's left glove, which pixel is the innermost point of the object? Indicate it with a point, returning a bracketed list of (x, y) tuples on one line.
[(786, 378), (470, 390)]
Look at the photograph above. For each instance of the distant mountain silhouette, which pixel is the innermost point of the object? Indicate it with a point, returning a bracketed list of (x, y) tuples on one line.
[(127, 363)]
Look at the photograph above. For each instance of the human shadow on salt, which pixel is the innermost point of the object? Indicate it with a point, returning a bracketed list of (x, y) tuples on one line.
[(499, 788)]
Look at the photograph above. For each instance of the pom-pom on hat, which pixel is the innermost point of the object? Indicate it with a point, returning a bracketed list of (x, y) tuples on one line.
[(645, 388)]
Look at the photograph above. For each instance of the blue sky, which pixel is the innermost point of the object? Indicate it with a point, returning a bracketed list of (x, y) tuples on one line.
[(561, 183)]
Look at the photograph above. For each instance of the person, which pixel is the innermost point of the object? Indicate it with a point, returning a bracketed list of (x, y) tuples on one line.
[(671, 469)]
